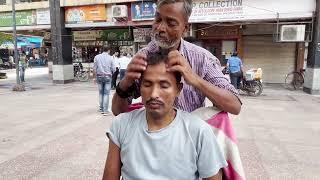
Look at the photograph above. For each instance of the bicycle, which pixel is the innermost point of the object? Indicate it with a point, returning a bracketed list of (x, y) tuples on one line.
[(294, 80), (80, 74)]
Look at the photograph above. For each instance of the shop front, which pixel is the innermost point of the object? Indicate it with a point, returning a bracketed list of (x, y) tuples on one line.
[(261, 50), (87, 44), (97, 25), (142, 11), (266, 34), (35, 19), (141, 36), (221, 41), (120, 40)]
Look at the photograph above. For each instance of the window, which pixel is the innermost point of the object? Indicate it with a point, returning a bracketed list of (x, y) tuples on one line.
[(3, 2)]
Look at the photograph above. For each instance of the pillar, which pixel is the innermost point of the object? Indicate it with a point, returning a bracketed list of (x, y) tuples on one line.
[(312, 76), (61, 38)]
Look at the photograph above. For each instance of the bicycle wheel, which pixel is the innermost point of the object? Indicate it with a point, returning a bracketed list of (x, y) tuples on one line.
[(298, 81), (83, 76), (255, 89), (294, 81)]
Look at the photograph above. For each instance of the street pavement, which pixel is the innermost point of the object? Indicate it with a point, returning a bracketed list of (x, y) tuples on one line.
[(55, 132)]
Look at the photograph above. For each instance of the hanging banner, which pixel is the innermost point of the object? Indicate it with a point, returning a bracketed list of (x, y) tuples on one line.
[(43, 16), (83, 14), (143, 10), (86, 35), (141, 34), (239, 10), (116, 35), (23, 18), (216, 10)]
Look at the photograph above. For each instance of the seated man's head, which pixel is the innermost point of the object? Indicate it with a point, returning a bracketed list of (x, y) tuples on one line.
[(159, 88)]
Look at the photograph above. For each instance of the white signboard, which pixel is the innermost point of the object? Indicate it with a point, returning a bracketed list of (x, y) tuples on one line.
[(240, 10), (86, 35), (139, 35), (43, 16)]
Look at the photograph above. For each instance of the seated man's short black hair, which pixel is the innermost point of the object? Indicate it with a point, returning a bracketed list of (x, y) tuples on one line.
[(161, 56)]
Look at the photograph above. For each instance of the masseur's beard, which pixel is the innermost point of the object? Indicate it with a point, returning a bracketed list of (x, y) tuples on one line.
[(164, 42)]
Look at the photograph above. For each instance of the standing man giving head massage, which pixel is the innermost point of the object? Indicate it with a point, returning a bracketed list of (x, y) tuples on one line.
[(201, 71)]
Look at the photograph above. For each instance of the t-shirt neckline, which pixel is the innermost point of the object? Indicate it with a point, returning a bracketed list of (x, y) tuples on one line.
[(172, 124)]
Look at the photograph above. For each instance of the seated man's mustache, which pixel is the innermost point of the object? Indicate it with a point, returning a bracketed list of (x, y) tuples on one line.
[(153, 101)]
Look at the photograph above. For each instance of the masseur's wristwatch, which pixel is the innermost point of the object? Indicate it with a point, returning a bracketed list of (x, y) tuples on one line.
[(121, 93)]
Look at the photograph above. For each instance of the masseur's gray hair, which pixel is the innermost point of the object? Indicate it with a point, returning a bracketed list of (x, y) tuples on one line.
[(187, 6)]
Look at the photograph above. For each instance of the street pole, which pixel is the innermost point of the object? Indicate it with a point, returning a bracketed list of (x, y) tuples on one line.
[(18, 86), (15, 55)]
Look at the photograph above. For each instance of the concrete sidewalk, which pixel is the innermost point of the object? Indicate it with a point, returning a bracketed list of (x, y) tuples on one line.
[(279, 135), (55, 132)]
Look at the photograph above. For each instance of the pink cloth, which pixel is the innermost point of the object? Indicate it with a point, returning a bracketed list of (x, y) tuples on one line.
[(134, 106), (224, 132), (222, 122)]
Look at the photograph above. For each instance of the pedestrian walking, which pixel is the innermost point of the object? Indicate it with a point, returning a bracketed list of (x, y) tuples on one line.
[(102, 70), (124, 60), (116, 72), (22, 65), (235, 67), (11, 61)]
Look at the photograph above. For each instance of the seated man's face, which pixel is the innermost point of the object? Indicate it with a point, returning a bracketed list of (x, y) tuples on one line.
[(159, 89)]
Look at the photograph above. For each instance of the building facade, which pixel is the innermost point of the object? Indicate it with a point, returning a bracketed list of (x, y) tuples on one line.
[(272, 35), (256, 30)]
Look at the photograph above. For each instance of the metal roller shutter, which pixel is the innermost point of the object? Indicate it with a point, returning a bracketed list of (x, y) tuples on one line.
[(275, 59)]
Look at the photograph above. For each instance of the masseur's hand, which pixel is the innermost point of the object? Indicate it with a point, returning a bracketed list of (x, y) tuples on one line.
[(136, 66), (176, 62)]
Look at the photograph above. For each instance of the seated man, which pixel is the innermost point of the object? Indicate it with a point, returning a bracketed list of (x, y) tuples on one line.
[(159, 141)]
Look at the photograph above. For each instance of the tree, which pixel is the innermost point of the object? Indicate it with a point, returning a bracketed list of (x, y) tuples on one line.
[(5, 37)]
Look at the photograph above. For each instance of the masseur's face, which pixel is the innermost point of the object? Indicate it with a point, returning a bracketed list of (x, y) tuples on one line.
[(169, 25), (158, 89)]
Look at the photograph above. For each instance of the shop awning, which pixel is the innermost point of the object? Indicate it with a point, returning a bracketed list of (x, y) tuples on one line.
[(24, 41)]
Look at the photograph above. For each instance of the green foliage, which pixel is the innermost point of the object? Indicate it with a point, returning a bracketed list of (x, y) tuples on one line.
[(5, 37)]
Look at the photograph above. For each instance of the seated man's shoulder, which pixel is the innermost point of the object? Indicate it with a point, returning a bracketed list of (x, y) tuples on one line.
[(130, 117), (123, 125)]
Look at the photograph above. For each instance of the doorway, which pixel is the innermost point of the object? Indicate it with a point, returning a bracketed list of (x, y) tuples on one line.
[(215, 47)]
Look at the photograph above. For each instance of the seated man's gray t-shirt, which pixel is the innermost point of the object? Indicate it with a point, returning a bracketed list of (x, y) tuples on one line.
[(186, 149)]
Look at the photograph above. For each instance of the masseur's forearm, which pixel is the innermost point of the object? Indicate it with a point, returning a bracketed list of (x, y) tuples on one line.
[(119, 105), (222, 98)]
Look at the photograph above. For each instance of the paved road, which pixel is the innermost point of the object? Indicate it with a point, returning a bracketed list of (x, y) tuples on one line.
[(54, 132)]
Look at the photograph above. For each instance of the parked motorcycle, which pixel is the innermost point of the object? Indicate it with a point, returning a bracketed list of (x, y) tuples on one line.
[(251, 83)]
